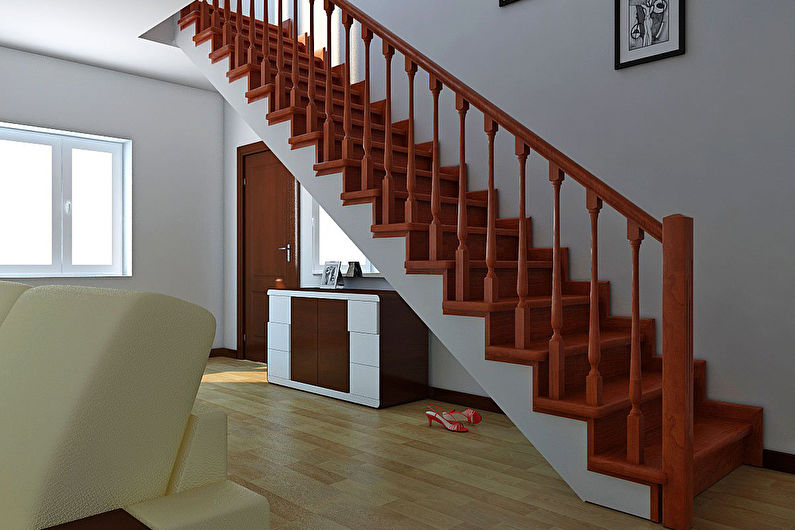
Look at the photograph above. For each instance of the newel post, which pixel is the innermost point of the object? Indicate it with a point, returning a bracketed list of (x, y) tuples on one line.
[(677, 398)]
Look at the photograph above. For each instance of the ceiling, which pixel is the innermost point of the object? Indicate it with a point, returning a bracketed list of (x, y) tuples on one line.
[(102, 33)]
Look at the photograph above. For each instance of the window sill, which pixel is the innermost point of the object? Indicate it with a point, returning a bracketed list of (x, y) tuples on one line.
[(111, 276), (319, 272)]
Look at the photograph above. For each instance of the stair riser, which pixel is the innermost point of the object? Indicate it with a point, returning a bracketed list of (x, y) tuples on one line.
[(539, 282), (506, 246), (448, 214), (417, 246), (501, 328), (422, 161), (353, 182), (611, 431), (710, 468)]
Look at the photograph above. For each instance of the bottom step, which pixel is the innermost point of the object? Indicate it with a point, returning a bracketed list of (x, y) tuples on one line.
[(718, 447)]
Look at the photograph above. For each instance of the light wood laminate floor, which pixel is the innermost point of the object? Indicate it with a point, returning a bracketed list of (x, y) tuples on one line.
[(323, 463)]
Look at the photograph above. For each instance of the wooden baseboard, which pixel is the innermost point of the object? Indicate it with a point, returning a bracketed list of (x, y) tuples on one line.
[(223, 352), (778, 461), (462, 398)]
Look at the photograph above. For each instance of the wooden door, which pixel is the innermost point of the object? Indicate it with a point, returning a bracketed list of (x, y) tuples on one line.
[(303, 340), (267, 216), (333, 357)]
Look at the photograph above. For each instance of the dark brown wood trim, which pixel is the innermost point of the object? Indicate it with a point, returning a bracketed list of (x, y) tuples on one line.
[(242, 152), (116, 519), (223, 352), (778, 461), (462, 398)]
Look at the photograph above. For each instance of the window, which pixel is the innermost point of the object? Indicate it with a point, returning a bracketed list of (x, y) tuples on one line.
[(332, 244), (64, 204)]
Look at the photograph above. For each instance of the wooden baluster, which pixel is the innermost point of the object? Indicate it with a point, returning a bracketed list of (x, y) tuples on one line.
[(522, 311), (490, 282), (462, 252), (435, 233), (281, 72), (203, 16), (251, 59), (635, 437), (215, 21), (312, 123), (677, 372), (557, 355), (296, 99), (367, 161), (227, 31), (347, 121), (252, 35), (593, 382), (411, 166), (265, 66), (388, 188), (329, 131), (239, 57)]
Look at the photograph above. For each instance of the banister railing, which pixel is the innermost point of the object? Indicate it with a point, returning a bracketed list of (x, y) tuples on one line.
[(647, 223), (357, 148)]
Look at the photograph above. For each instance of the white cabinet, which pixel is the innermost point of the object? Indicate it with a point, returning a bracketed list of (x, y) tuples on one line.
[(387, 359)]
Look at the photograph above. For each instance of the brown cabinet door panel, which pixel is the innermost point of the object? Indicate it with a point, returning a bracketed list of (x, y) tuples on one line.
[(333, 356), (304, 341)]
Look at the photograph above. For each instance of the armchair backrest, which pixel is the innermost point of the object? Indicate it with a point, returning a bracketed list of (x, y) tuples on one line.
[(96, 387), (9, 292)]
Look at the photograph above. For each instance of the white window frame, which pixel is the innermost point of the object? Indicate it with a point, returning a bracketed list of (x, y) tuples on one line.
[(62, 144), (368, 269)]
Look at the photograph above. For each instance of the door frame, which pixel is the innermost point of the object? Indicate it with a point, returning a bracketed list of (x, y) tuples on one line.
[(242, 152)]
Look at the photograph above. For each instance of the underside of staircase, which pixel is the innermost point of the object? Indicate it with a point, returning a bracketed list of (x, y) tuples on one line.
[(647, 418)]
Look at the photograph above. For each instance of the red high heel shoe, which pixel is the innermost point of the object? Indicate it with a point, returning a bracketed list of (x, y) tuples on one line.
[(454, 426), (469, 416)]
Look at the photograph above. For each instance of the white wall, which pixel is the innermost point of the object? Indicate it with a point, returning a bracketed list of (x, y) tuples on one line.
[(236, 133), (708, 134), (177, 153)]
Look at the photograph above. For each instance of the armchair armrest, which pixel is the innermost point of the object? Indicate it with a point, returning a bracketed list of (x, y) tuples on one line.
[(218, 506), (202, 455)]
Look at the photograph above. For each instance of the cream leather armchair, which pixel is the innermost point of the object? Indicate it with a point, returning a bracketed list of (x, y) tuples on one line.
[(96, 392)]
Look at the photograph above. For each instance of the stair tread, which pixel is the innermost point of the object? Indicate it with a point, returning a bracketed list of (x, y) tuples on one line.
[(709, 434), (441, 265), (508, 304), (339, 164), (615, 396), (409, 227), (574, 343)]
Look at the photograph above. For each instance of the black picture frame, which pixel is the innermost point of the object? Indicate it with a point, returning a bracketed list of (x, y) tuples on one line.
[(645, 60), (504, 3)]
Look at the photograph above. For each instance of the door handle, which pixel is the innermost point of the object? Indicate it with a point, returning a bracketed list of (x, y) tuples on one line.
[(288, 248)]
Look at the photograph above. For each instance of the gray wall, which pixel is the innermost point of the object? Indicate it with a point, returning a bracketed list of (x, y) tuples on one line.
[(708, 134), (177, 154)]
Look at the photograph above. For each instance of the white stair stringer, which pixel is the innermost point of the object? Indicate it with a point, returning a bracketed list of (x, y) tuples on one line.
[(561, 441)]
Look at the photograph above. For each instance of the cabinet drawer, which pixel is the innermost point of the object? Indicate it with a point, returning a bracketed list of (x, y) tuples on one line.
[(279, 309), (362, 316), (365, 348), (278, 336), (279, 364), (365, 380)]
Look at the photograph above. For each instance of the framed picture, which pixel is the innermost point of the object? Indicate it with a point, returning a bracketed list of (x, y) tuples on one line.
[(331, 277), (648, 30)]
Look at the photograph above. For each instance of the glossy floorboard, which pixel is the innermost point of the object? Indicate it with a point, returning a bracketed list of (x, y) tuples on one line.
[(327, 464)]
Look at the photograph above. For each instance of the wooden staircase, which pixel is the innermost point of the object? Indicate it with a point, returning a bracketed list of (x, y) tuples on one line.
[(648, 417)]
